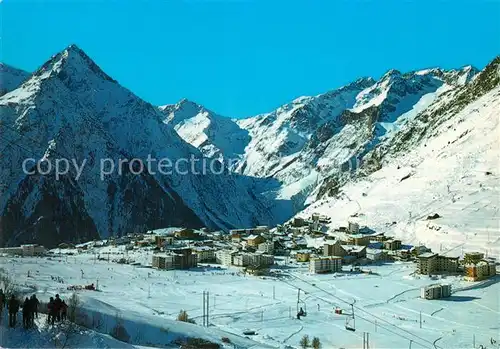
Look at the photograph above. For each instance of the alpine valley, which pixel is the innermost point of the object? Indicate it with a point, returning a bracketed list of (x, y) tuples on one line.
[(388, 151)]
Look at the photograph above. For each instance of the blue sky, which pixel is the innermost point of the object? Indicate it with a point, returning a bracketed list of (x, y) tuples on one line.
[(244, 57)]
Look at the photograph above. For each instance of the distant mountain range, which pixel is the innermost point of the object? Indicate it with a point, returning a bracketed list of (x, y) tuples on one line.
[(276, 163)]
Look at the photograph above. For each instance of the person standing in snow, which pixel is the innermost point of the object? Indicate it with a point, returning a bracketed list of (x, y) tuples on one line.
[(13, 306), (64, 309), (51, 310), (27, 313), (2, 304), (2, 298), (35, 303), (34, 309), (57, 307)]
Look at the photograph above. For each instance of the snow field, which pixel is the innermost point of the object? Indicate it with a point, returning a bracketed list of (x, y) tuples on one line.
[(387, 303)]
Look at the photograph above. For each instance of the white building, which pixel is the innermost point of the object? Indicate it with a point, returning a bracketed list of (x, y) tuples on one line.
[(225, 257), (204, 253), (353, 227), (329, 264), (30, 250), (435, 291), (253, 259), (267, 247), (374, 254)]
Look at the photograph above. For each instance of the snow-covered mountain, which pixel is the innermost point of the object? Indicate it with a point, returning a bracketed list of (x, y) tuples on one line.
[(280, 162), (389, 153), (71, 109), (312, 140), (10, 78), (444, 160), (216, 136)]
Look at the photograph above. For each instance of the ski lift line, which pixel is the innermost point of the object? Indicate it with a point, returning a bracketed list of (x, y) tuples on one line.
[(377, 317), (374, 323), (352, 304), (367, 320)]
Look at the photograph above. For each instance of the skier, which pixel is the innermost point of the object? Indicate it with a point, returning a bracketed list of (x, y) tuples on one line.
[(13, 307), (27, 313)]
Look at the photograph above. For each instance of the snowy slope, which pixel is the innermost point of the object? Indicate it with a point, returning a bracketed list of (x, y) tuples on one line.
[(148, 300), (216, 136), (71, 109), (10, 78), (451, 170)]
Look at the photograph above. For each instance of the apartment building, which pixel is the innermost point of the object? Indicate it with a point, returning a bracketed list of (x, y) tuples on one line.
[(204, 253), (392, 244), (225, 257), (170, 261), (333, 249), (435, 291), (480, 271), (267, 247), (329, 264), (429, 263), (253, 259)]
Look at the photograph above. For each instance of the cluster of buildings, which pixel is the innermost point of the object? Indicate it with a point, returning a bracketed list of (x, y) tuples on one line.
[(473, 266), (28, 250), (248, 248), (477, 268)]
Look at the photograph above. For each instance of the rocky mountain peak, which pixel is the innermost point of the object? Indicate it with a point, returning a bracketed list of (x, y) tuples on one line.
[(71, 62)]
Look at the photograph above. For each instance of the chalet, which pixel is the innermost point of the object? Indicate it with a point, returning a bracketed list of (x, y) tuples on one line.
[(333, 249), (163, 240), (392, 244), (355, 251), (255, 240), (359, 239), (302, 255), (187, 234), (375, 254)]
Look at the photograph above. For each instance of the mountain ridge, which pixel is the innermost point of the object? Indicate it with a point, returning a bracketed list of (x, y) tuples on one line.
[(274, 165), (70, 109)]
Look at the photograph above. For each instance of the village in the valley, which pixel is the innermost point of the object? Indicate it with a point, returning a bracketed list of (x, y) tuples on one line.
[(277, 285)]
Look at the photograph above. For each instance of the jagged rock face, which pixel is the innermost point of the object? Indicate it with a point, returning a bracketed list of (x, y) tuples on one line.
[(70, 109), (10, 78)]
